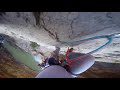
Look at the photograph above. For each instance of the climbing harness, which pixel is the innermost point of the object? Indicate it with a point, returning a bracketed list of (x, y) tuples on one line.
[(109, 37)]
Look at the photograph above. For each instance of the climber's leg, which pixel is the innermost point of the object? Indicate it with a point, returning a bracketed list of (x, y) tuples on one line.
[(54, 71), (81, 65)]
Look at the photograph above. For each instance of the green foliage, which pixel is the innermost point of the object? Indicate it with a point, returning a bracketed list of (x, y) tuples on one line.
[(34, 45), (117, 61)]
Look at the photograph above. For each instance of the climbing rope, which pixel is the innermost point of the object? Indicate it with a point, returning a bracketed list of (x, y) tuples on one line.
[(109, 37)]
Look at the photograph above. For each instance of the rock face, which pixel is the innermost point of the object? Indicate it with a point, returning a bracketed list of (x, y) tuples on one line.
[(51, 28), (10, 68), (102, 70)]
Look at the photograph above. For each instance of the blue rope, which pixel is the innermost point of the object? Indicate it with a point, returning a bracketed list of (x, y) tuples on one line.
[(109, 37), (110, 40)]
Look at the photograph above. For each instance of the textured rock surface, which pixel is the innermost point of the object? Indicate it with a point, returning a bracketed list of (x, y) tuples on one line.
[(50, 28), (102, 70), (10, 68)]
